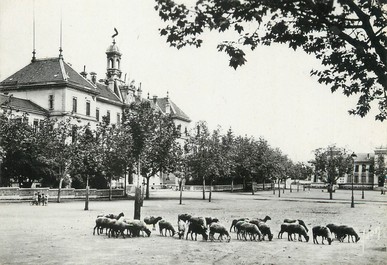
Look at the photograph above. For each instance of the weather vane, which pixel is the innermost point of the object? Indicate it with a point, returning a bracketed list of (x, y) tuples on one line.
[(115, 34)]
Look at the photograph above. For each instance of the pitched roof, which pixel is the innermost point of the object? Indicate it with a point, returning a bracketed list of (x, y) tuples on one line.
[(44, 71), (175, 110), (105, 92), (21, 105), (364, 157)]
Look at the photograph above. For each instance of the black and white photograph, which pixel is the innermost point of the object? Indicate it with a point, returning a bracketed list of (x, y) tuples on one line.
[(193, 132)]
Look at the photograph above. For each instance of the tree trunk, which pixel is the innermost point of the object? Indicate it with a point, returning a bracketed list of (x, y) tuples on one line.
[(147, 187), (59, 190), (126, 178), (252, 187), (232, 185), (330, 191), (244, 183), (263, 186), (87, 194), (291, 190), (204, 188), (181, 190), (298, 186), (137, 207), (110, 188), (279, 188), (273, 187), (210, 195), (142, 195)]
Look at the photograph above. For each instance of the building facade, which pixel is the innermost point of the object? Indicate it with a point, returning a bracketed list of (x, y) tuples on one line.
[(50, 87)]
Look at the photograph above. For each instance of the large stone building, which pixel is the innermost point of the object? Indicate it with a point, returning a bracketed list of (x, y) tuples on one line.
[(51, 87)]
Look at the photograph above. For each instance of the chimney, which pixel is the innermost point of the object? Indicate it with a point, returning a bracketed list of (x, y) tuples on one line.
[(139, 92), (154, 99), (84, 73), (93, 77), (167, 105)]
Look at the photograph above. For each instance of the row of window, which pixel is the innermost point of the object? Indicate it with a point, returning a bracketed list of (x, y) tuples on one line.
[(364, 168), (75, 109)]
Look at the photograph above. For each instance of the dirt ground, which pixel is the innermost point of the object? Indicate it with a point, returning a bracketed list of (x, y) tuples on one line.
[(63, 233)]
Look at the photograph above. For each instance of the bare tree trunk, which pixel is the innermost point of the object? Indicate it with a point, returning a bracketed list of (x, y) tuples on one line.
[(210, 195), (298, 185), (263, 184), (232, 184), (87, 194), (59, 189), (273, 187), (110, 188), (147, 187), (252, 187), (204, 188), (181, 190), (137, 207), (125, 186), (279, 188), (330, 191)]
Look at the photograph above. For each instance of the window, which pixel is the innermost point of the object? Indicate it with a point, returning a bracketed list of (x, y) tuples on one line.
[(108, 116), (75, 103), (118, 119), (51, 102), (35, 124), (97, 114), (357, 168), (87, 108)]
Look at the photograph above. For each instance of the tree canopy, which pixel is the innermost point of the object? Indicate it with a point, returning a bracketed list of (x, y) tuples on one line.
[(348, 37)]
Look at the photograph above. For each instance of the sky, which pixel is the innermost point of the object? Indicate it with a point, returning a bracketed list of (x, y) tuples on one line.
[(273, 96)]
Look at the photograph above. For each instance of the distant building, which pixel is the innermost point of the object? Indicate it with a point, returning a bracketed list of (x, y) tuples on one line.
[(363, 172), (50, 87)]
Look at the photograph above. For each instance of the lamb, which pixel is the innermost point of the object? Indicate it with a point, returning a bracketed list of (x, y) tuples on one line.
[(235, 221), (167, 226), (151, 220), (221, 229), (181, 227), (322, 231), (137, 226), (264, 228), (197, 228), (344, 230), (296, 229)]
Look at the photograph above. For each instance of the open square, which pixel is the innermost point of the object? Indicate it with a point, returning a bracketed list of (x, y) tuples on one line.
[(63, 233)]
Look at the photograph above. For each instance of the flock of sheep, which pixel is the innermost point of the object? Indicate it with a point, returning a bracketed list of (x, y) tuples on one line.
[(253, 229)]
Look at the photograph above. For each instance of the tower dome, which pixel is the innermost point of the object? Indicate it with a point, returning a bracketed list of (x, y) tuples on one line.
[(113, 48), (113, 57)]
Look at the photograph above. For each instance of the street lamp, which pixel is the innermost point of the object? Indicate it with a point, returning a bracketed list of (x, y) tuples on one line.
[(353, 175)]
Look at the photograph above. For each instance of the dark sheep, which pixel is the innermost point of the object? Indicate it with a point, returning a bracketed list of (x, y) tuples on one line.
[(198, 220), (235, 221), (290, 221), (137, 226), (267, 218), (264, 228), (210, 220), (167, 226), (118, 228), (322, 231), (184, 216), (196, 228), (112, 216), (334, 228), (344, 230), (239, 228), (151, 220), (99, 224), (221, 230), (294, 229), (252, 230)]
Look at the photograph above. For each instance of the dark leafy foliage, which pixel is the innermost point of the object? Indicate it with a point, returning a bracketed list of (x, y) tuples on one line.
[(347, 36)]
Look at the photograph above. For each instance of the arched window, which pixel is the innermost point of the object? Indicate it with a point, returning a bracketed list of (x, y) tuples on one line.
[(111, 63), (118, 63)]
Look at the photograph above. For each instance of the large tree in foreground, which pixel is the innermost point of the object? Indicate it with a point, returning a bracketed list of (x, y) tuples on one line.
[(347, 36)]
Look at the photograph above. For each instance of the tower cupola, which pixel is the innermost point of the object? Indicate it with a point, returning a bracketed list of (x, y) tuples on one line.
[(113, 56)]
